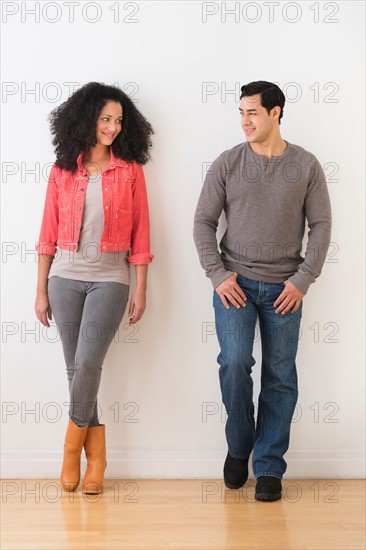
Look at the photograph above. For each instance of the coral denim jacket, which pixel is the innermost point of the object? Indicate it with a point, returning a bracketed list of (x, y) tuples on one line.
[(125, 207)]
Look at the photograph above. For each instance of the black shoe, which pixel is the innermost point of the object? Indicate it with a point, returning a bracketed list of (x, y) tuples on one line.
[(235, 472), (268, 488)]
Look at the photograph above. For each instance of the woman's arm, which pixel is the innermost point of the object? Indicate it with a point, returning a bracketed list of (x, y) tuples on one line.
[(140, 234), (140, 246), (46, 247), (42, 306), (138, 298)]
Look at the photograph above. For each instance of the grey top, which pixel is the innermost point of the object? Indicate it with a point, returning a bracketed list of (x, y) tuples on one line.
[(89, 263), (265, 202)]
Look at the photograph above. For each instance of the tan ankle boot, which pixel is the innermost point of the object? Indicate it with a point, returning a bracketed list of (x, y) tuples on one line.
[(74, 441), (95, 451)]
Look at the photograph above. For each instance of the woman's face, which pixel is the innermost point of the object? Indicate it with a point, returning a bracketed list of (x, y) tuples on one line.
[(109, 123)]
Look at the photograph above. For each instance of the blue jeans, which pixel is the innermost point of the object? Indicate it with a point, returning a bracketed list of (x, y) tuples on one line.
[(235, 328)]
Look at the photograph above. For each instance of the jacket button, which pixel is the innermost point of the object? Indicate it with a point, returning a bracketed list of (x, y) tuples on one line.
[(106, 207), (77, 227), (79, 207), (104, 246)]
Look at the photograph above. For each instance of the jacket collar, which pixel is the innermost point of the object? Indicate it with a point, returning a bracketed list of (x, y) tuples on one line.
[(113, 162)]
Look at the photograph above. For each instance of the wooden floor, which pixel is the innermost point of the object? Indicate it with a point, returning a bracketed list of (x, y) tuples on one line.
[(182, 514)]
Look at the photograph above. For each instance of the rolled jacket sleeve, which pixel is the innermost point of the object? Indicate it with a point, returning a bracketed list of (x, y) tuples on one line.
[(49, 228), (140, 235)]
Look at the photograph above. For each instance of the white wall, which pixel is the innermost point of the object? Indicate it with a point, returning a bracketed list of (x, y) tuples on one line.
[(180, 60)]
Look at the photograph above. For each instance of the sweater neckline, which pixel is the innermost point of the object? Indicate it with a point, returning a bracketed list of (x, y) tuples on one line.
[(274, 158)]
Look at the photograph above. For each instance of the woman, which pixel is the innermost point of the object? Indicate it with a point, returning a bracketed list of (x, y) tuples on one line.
[(96, 212)]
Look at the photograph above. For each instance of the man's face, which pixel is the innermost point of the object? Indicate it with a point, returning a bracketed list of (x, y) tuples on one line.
[(255, 121)]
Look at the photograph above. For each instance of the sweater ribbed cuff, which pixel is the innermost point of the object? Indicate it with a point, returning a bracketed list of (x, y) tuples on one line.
[(219, 276), (301, 282)]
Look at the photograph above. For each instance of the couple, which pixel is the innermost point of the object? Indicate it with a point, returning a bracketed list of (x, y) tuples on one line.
[(96, 212)]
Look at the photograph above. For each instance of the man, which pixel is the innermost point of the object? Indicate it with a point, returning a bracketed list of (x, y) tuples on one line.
[(266, 186)]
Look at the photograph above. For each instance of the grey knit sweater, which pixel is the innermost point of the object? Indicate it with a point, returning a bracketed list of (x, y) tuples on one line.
[(265, 203)]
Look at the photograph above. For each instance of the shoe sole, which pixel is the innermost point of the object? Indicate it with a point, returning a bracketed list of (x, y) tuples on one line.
[(267, 497), (229, 486)]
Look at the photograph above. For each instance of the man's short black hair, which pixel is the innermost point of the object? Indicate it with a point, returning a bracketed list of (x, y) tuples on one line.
[(271, 95)]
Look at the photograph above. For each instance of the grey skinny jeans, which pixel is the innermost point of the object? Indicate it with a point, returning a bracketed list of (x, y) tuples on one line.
[(87, 315)]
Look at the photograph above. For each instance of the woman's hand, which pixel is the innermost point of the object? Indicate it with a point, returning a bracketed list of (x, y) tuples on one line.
[(42, 308), (137, 305)]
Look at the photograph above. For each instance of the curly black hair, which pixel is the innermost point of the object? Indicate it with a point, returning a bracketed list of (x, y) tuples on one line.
[(73, 125)]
